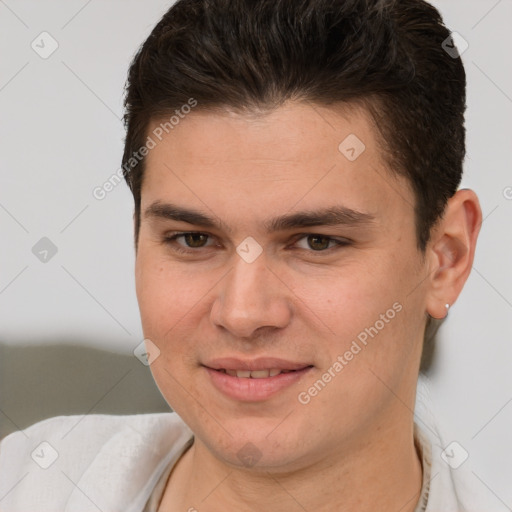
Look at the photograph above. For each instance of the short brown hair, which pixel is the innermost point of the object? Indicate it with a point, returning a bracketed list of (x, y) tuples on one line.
[(252, 55)]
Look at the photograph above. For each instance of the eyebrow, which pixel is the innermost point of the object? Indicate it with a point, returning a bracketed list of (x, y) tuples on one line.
[(331, 216)]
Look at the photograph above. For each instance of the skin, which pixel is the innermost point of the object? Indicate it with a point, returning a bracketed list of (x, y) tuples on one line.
[(303, 299)]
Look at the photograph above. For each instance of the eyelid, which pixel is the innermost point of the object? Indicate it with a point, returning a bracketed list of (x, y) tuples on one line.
[(170, 238), (339, 243), (340, 239), (174, 235)]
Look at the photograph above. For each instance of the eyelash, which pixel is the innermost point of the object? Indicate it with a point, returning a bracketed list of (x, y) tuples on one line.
[(171, 241)]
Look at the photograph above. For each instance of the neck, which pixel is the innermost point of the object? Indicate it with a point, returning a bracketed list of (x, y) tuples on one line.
[(381, 471)]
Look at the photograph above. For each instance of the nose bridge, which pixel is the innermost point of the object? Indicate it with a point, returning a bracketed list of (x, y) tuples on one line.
[(245, 285), (250, 297)]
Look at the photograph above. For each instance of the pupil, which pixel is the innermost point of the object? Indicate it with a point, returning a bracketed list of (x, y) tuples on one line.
[(195, 239), (318, 242)]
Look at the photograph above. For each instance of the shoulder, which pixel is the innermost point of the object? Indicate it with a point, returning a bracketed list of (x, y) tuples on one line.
[(96, 427), (453, 483), (70, 460)]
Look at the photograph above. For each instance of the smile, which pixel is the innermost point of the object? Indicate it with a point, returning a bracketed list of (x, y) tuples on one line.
[(252, 384), (255, 374)]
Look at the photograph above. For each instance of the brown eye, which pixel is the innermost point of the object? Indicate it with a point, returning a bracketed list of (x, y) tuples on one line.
[(316, 243), (319, 242), (195, 240)]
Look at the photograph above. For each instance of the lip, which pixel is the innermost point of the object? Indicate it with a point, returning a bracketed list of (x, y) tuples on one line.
[(254, 390), (261, 363)]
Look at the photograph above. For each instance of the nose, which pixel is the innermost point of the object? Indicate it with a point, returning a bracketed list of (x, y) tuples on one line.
[(251, 298)]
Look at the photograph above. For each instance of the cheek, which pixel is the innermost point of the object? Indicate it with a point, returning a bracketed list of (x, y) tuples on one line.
[(364, 311), (345, 299), (170, 302), (165, 294)]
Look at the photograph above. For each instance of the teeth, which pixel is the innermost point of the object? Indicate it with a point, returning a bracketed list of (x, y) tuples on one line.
[(260, 374), (255, 374)]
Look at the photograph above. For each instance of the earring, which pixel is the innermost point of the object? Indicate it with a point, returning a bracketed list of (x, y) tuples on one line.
[(447, 306)]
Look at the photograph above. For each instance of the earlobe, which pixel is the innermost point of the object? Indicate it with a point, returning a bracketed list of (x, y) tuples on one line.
[(452, 251)]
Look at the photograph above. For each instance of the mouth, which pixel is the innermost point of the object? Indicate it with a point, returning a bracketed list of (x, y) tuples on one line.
[(257, 380), (257, 374)]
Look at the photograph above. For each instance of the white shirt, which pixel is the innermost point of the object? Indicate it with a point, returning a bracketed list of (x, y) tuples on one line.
[(121, 464)]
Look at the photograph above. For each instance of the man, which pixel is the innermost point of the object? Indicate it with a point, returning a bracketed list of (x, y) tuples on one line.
[(295, 169)]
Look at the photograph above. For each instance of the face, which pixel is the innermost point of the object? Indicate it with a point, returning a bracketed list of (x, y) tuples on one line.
[(278, 275)]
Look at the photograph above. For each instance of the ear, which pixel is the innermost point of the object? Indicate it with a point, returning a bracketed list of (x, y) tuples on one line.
[(451, 251)]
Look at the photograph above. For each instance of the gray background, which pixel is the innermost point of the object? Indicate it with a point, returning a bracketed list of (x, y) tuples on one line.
[(68, 326)]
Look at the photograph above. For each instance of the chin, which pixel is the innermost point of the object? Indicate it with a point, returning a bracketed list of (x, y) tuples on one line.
[(253, 444)]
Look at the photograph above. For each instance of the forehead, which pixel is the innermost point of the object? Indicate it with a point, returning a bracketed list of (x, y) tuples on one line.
[(293, 132), (296, 154)]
